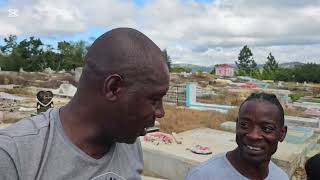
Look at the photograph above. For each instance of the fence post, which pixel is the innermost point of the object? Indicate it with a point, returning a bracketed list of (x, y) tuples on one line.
[(177, 95)]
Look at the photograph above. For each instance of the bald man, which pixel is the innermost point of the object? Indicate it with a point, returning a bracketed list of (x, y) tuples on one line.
[(95, 135)]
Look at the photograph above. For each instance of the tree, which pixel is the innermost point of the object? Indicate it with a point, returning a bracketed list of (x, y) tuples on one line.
[(270, 67), (167, 58), (30, 53), (309, 72), (284, 74), (246, 64), (181, 69), (52, 58), (72, 54), (11, 44), (271, 63)]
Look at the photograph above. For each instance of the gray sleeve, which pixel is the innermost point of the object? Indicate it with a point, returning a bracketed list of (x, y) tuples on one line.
[(8, 169), (140, 153), (194, 175), (200, 174)]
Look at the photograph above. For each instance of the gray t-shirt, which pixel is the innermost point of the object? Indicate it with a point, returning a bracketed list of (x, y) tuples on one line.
[(218, 167), (36, 148)]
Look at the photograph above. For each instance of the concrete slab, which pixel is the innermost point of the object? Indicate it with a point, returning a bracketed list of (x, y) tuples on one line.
[(8, 86), (299, 121), (174, 161), (229, 126), (298, 134), (66, 90), (7, 96), (3, 125), (150, 178), (306, 104)]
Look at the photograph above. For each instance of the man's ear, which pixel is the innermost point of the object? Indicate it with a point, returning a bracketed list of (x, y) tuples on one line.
[(112, 86), (283, 133)]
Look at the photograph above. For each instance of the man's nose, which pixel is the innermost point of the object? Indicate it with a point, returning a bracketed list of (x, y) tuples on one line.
[(159, 112), (255, 134)]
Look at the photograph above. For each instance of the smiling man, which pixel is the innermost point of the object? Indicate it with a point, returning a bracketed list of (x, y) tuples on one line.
[(260, 126), (95, 136)]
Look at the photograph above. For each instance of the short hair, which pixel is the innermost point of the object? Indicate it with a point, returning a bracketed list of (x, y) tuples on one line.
[(312, 167), (272, 98)]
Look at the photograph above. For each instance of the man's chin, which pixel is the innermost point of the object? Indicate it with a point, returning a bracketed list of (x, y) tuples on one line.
[(128, 140)]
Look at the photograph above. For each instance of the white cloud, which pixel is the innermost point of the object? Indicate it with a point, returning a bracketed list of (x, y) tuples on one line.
[(195, 33)]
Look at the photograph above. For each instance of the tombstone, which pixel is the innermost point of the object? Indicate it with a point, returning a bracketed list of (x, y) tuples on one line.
[(21, 70), (1, 117), (77, 73), (48, 70), (191, 93), (62, 71), (6, 81), (44, 101)]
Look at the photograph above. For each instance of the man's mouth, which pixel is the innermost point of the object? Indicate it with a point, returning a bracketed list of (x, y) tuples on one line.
[(254, 148)]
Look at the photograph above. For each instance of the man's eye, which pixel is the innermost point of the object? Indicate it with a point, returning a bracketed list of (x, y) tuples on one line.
[(244, 125), (268, 129)]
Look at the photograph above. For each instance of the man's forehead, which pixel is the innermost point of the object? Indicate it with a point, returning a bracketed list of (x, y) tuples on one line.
[(265, 111), (257, 103)]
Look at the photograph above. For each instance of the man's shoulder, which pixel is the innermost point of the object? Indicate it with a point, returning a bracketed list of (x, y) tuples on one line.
[(27, 126), (213, 161), (276, 172), (203, 170), (130, 148)]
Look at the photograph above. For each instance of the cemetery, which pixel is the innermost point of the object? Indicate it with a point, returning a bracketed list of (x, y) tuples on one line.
[(199, 122)]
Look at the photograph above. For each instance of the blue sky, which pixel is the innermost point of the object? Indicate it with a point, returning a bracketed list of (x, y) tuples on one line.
[(202, 32)]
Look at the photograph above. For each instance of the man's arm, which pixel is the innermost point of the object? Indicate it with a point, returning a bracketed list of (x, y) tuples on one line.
[(8, 170)]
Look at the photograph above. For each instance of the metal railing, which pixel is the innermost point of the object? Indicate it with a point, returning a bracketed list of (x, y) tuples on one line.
[(176, 94)]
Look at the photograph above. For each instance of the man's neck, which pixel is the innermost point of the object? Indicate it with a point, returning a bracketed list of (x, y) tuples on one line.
[(249, 170), (82, 132)]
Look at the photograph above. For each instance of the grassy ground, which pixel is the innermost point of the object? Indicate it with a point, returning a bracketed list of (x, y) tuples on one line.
[(178, 119)]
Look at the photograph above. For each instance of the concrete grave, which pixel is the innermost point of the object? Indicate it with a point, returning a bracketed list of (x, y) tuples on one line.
[(191, 101), (3, 125), (65, 90), (7, 96), (77, 73), (173, 161), (48, 70), (299, 121), (1, 117)]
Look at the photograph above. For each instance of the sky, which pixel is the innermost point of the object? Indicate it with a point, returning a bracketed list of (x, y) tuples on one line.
[(201, 32)]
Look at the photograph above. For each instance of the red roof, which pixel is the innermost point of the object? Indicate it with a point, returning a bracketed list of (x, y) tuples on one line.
[(224, 65)]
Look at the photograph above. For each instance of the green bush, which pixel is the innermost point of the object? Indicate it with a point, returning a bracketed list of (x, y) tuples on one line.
[(296, 96)]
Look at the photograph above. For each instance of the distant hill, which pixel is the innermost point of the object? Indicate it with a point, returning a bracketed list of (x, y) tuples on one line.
[(290, 64), (194, 68), (284, 65)]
